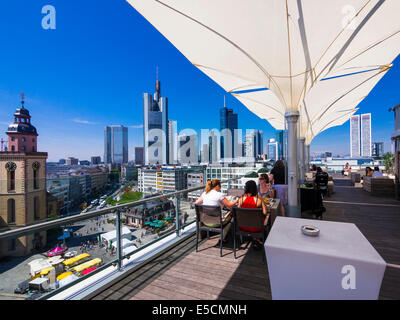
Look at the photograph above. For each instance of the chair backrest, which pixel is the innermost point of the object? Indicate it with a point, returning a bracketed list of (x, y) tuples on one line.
[(208, 214), (322, 179), (248, 218)]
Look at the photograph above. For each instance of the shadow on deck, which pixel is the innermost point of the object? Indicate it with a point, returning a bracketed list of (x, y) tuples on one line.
[(184, 274)]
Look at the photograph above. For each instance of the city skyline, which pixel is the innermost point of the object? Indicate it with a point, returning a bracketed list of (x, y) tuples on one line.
[(62, 78)]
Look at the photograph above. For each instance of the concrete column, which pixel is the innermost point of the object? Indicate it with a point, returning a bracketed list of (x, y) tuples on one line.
[(292, 118), (302, 160)]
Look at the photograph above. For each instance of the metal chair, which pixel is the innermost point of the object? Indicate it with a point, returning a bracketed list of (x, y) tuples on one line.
[(249, 218), (209, 218)]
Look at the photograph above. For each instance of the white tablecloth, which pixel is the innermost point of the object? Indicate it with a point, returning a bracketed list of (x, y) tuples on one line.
[(338, 264)]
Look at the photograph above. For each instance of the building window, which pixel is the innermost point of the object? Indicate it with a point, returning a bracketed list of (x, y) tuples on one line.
[(33, 149), (11, 181), (23, 139), (12, 148), (36, 213), (11, 210), (12, 138), (33, 139), (35, 179), (10, 167)]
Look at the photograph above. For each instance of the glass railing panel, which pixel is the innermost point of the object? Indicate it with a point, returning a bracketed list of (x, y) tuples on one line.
[(187, 209), (149, 221)]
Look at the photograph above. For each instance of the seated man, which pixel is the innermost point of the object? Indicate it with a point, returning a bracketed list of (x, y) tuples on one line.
[(377, 173)]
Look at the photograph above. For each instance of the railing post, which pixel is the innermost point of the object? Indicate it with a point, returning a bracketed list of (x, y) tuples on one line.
[(177, 217), (118, 234)]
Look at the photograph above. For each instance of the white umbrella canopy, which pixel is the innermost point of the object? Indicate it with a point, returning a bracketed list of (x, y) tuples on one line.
[(283, 45), (327, 101)]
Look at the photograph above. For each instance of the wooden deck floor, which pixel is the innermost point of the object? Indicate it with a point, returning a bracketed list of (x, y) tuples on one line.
[(183, 274)]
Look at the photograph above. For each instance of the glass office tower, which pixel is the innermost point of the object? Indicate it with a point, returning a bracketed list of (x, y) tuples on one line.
[(229, 121), (115, 144), (366, 136), (355, 145)]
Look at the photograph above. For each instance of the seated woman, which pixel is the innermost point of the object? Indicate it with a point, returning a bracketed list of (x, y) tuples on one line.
[(264, 188), (251, 200), (212, 196), (369, 172)]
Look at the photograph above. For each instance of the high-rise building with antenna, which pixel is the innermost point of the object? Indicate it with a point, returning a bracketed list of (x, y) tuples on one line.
[(155, 127)]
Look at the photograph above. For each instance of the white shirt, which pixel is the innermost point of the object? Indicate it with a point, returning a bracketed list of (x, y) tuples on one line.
[(213, 198)]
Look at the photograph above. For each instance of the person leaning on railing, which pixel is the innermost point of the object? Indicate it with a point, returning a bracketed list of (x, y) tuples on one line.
[(212, 196)]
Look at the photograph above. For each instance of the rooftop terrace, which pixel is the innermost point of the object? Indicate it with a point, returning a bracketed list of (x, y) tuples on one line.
[(184, 274)]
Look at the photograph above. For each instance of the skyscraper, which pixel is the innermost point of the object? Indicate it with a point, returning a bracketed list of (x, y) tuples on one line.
[(259, 142), (366, 137), (280, 139), (273, 147), (173, 142), (228, 121), (115, 144), (360, 136), (355, 144), (250, 148), (214, 154), (155, 127)]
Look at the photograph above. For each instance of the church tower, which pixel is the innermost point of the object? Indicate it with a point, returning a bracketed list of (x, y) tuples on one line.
[(22, 185)]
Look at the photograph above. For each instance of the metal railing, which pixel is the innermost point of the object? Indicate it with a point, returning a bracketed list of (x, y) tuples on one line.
[(116, 210)]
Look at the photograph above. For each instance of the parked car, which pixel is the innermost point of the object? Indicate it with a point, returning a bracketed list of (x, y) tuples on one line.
[(22, 287), (70, 254)]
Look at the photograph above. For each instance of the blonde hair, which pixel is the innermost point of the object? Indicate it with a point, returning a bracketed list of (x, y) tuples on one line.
[(211, 184)]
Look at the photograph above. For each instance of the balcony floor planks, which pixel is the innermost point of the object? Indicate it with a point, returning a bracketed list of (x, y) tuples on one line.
[(195, 275)]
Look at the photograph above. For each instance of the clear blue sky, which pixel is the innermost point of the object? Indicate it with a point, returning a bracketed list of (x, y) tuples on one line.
[(92, 70)]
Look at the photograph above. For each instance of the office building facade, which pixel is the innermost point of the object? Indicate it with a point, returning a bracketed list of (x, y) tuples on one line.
[(115, 145), (139, 156), (95, 160), (377, 149), (273, 149)]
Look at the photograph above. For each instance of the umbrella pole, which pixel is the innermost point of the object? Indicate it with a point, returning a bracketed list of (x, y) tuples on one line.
[(292, 118), (307, 157), (302, 161)]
